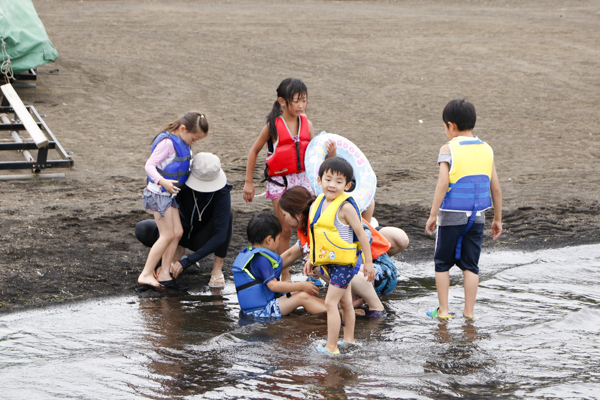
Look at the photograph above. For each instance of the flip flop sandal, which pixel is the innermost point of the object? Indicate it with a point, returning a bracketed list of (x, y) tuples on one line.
[(376, 314), (145, 288), (216, 278), (433, 313), (174, 284)]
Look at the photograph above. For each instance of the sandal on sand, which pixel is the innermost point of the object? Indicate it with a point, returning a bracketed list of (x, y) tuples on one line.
[(433, 313), (174, 284), (214, 279), (145, 288)]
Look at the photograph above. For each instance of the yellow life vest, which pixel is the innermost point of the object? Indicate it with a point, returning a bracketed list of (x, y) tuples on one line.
[(470, 175), (327, 246)]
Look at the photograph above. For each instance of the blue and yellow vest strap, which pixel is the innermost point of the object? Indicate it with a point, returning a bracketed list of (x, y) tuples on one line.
[(252, 251)]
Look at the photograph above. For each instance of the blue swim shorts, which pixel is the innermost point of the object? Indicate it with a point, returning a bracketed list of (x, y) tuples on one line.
[(271, 310), (445, 248), (340, 275), (386, 275)]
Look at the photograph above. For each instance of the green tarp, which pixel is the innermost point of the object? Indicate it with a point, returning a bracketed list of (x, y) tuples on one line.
[(25, 37)]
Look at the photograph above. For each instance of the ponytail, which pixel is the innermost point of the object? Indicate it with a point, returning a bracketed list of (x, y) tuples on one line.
[(271, 118), (284, 90), (193, 121)]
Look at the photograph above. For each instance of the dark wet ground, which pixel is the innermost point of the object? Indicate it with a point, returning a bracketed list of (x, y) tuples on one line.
[(73, 253), (535, 337)]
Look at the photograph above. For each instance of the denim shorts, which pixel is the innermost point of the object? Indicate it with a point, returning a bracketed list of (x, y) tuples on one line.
[(158, 201)]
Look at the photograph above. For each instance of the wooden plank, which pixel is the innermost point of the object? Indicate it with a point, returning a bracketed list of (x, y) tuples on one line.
[(30, 125)]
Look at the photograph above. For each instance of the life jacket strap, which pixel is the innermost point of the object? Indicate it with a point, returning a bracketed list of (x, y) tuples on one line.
[(469, 225), (180, 159), (248, 284), (176, 175), (467, 142), (269, 179)]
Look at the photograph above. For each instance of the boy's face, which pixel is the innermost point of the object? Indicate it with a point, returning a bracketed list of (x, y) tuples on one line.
[(271, 243), (333, 184)]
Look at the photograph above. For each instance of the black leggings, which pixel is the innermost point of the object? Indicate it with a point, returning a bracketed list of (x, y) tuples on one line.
[(147, 233)]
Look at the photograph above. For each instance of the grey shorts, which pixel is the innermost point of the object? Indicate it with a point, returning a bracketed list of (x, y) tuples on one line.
[(158, 201)]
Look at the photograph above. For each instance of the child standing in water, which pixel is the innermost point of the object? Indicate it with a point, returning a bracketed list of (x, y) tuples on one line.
[(467, 176), (385, 242), (168, 168), (335, 226), (286, 134)]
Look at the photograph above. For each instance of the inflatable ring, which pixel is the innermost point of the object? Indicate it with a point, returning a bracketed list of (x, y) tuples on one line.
[(366, 181)]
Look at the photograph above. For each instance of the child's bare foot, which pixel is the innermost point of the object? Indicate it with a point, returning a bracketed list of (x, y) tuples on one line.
[(149, 281), (359, 311)]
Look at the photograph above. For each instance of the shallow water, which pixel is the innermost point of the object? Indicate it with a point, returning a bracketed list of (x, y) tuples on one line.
[(536, 337)]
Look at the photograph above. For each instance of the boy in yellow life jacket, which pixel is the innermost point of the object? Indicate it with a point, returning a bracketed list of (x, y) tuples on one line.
[(467, 186), (338, 242)]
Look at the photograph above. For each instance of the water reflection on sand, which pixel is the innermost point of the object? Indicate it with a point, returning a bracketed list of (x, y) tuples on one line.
[(536, 336)]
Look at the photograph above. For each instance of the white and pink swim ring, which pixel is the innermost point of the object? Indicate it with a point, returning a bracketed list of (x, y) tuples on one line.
[(366, 181)]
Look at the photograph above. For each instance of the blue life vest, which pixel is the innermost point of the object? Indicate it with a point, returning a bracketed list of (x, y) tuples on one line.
[(179, 168), (252, 293), (470, 176), (469, 180)]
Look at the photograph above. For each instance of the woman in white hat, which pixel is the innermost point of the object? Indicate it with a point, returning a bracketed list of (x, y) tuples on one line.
[(206, 217)]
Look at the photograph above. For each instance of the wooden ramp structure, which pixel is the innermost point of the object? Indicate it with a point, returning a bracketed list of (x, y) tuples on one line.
[(15, 118)]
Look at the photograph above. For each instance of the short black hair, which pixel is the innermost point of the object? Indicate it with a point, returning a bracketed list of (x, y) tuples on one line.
[(261, 226), (337, 165), (460, 112)]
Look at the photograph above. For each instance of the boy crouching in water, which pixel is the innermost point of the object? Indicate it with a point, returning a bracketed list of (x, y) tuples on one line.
[(467, 186), (336, 237), (256, 272)]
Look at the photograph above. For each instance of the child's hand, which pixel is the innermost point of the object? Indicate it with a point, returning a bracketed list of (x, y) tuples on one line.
[(496, 229), (308, 268), (310, 288), (169, 186), (369, 272), (331, 148), (248, 192), (430, 225)]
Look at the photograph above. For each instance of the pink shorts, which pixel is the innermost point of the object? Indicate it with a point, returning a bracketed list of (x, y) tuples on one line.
[(275, 191)]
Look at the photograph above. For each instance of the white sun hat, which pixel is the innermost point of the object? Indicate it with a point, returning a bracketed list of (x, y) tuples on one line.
[(206, 174)]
